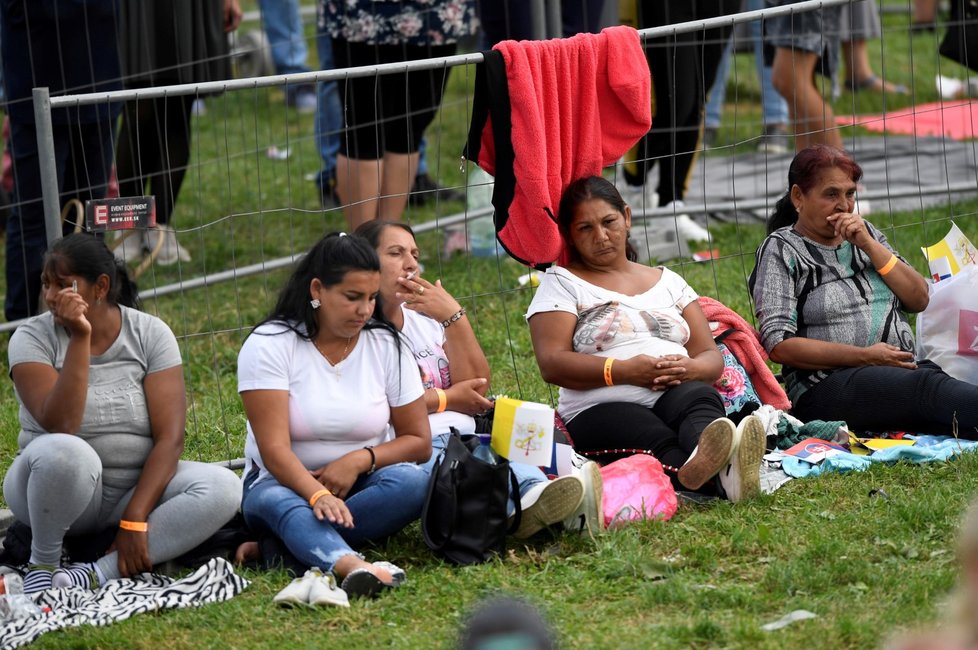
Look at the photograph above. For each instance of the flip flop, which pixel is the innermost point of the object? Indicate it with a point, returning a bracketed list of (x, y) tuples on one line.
[(873, 83)]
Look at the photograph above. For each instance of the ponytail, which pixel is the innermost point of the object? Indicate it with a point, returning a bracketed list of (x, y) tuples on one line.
[(127, 293), (784, 214)]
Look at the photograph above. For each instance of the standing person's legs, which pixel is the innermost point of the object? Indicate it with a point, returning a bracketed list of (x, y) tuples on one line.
[(883, 398), (718, 93), (774, 107), (138, 150), (283, 26), (173, 115), (505, 20), (329, 115), (579, 16)]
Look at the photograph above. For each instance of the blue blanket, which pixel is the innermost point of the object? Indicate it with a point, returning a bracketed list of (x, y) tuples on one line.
[(926, 449)]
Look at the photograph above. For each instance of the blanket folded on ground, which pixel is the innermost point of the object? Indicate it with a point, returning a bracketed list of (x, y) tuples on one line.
[(928, 449), (120, 599)]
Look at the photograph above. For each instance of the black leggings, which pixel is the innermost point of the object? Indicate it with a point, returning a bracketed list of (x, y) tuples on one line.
[(886, 398), (388, 113), (683, 69), (153, 150), (670, 429)]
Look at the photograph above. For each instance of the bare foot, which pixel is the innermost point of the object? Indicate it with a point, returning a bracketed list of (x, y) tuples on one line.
[(349, 563), (247, 552)]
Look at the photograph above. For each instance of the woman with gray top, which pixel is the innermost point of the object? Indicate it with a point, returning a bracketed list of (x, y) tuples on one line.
[(102, 415), (831, 298)]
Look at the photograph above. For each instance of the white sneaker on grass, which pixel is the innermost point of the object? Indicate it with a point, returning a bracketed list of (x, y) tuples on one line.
[(171, 251), (548, 502), (741, 478), (323, 591), (711, 454), (297, 592), (589, 516)]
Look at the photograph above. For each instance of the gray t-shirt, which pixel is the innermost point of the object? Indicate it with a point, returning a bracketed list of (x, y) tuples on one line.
[(116, 420), (828, 293)]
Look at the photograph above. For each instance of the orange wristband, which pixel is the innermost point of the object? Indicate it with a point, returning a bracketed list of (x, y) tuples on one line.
[(317, 495), (886, 268), (607, 371), (134, 526), (442, 400)]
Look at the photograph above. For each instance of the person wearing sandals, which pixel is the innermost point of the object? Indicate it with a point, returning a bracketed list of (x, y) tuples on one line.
[(102, 415), (455, 374), (831, 297), (320, 379), (633, 354)]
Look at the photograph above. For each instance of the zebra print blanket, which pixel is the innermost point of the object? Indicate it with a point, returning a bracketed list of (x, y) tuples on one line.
[(120, 599)]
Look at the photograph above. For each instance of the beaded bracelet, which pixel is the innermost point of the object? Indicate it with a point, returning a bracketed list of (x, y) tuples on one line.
[(373, 460)]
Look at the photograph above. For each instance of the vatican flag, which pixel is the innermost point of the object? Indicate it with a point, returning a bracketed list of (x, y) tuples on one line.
[(948, 256)]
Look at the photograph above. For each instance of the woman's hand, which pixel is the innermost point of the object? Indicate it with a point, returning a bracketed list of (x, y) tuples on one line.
[(340, 475), (133, 549), (232, 15), (332, 509), (465, 397), (654, 373), (426, 298), (884, 354), (70, 310), (851, 227)]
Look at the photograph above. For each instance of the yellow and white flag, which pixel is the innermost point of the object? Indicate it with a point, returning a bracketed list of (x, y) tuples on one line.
[(523, 432), (948, 256)]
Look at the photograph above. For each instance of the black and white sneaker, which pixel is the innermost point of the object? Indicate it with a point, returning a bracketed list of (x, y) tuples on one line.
[(741, 478), (549, 502)]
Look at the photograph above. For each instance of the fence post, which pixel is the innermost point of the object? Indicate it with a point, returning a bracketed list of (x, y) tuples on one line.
[(46, 161)]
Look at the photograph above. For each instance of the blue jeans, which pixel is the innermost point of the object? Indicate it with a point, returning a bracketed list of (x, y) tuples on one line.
[(526, 475), (381, 504), (283, 26), (775, 108), (329, 110)]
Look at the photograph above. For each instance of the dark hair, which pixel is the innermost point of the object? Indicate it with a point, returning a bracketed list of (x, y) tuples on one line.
[(329, 260), (586, 189), (88, 257), (806, 167), (372, 230)]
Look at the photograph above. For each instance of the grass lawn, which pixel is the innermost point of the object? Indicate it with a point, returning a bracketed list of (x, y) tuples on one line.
[(866, 564)]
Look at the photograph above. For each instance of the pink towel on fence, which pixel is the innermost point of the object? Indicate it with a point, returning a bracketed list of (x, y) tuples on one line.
[(575, 106), (744, 343)]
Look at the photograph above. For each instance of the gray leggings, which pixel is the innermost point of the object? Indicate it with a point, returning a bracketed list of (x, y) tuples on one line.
[(55, 487)]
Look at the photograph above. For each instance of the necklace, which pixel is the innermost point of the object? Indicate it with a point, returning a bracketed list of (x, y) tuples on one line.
[(330, 361)]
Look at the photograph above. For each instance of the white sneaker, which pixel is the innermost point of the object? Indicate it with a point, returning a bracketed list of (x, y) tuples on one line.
[(741, 479), (711, 455), (589, 516), (297, 591), (171, 251), (127, 245), (639, 197), (548, 502), (684, 224), (323, 591)]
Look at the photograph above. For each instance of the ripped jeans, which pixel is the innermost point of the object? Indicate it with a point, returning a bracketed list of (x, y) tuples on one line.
[(381, 504)]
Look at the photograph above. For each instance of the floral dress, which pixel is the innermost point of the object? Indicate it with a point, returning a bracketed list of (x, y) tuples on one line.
[(400, 22)]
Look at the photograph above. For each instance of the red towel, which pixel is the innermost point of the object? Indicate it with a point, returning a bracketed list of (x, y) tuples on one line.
[(746, 346), (575, 105)]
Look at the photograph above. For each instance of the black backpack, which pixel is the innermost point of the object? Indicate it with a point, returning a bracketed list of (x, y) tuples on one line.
[(464, 517)]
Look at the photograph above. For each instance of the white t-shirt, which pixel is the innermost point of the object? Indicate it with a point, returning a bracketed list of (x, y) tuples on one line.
[(612, 324), (332, 410), (426, 337)]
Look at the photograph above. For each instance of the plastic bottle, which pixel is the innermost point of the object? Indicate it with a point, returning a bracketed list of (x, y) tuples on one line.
[(484, 451), (14, 603)]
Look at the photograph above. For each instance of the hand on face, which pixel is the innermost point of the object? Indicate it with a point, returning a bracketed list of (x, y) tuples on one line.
[(426, 298), (69, 308), (850, 227)]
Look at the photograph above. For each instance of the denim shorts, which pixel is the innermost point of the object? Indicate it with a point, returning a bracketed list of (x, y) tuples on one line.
[(814, 31)]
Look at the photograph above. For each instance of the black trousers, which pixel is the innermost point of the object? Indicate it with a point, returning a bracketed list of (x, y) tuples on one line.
[(670, 429), (886, 398)]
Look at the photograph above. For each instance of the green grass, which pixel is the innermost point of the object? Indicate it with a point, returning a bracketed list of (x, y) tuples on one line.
[(708, 578)]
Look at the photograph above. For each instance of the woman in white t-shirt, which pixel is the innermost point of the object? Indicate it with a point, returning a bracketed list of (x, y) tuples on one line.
[(455, 372), (633, 354), (320, 379)]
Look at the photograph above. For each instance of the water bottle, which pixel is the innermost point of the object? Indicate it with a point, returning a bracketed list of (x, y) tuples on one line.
[(14, 603), (484, 451)]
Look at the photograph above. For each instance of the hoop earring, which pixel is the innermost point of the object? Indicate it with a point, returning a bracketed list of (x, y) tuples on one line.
[(314, 303)]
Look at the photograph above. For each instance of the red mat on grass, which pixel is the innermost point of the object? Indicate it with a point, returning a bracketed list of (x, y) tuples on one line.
[(957, 120)]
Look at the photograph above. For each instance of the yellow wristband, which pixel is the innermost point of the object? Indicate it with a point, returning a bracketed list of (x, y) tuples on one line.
[(607, 372), (317, 495), (886, 268), (134, 526), (442, 400)]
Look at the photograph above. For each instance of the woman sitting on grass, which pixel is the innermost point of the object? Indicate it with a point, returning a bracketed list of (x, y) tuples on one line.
[(455, 374), (102, 416), (830, 295), (633, 354), (320, 380)]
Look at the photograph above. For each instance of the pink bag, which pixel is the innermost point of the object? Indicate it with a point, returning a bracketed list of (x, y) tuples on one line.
[(636, 487)]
